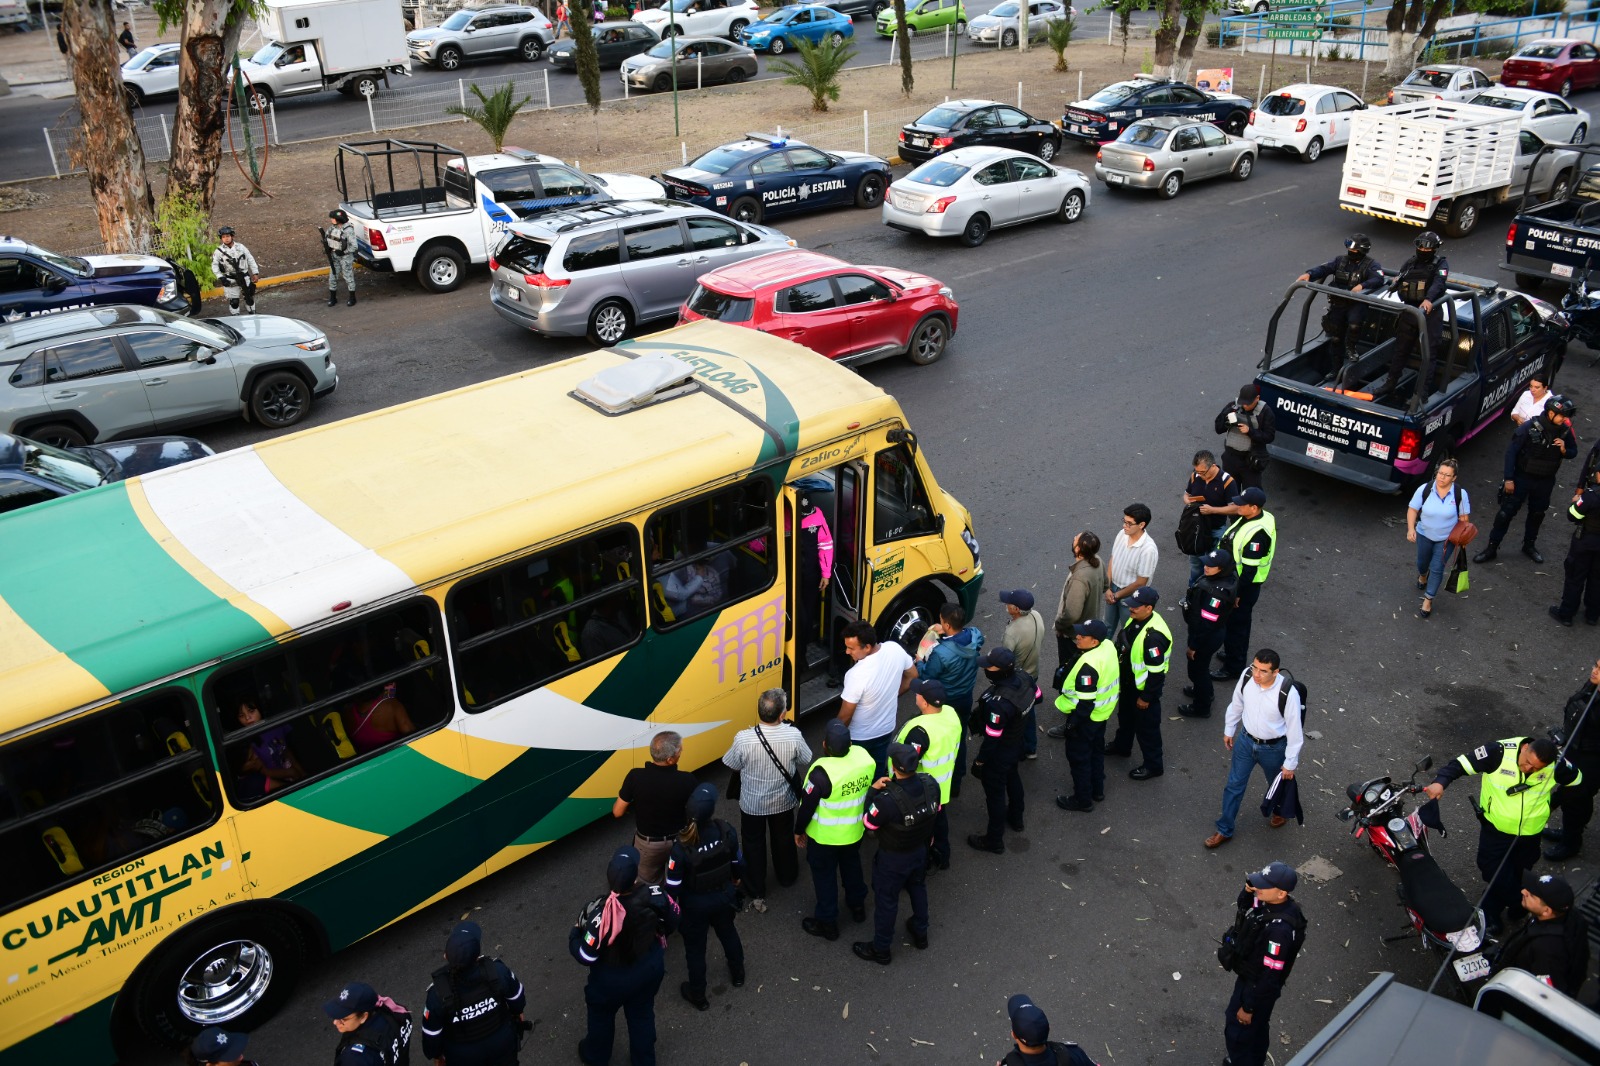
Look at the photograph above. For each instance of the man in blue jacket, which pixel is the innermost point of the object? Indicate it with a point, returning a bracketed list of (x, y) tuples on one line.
[(953, 662)]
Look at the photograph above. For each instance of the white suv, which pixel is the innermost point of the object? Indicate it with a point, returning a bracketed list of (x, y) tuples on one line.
[(700, 18)]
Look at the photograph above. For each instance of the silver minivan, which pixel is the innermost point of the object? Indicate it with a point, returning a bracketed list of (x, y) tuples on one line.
[(599, 271)]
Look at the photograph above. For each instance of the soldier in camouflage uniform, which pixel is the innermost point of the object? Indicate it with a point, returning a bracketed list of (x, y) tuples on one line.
[(340, 241)]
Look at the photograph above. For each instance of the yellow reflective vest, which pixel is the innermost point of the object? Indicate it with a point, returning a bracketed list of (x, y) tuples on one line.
[(944, 740), (1096, 677), (838, 816)]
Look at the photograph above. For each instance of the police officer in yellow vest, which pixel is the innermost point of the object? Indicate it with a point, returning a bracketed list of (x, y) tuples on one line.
[(828, 826), (1519, 776), (1092, 698), (936, 733), (1251, 540), (1144, 647)]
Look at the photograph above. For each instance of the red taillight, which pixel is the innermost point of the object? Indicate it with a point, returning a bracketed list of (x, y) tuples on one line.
[(494, 264), (1511, 235), (1300, 127), (375, 239), (943, 142), (1149, 165), (939, 205), (1436, 96), (1391, 96), (1410, 441), (902, 136), (1351, 190), (1099, 157), (1252, 117), (545, 281), (1416, 205)]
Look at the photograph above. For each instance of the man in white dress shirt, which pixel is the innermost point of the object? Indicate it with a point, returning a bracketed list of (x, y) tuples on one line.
[(1263, 729)]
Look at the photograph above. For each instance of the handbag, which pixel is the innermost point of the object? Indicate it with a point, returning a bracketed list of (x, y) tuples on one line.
[(1460, 580), (794, 790), (1464, 532)]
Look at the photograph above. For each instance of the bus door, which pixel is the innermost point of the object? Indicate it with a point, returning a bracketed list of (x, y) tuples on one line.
[(904, 541), (825, 528)]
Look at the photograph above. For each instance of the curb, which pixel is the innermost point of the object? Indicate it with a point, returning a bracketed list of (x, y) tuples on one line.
[(894, 161), (281, 279)]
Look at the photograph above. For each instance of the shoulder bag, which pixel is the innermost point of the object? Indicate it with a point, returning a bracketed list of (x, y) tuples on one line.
[(794, 789), (1464, 532)]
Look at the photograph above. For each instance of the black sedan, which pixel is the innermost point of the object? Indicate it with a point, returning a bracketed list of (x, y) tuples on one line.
[(765, 174), (612, 44), (31, 472), (1107, 113), (965, 123)]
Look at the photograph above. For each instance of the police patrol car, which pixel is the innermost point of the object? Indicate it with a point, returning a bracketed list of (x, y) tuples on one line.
[(1107, 113), (34, 281), (768, 174)]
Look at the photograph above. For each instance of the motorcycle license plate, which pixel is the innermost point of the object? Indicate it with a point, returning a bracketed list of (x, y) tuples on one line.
[(1471, 967), (1560, 270), (1317, 451)]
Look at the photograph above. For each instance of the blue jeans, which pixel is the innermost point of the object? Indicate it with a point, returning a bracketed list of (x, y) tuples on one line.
[(1247, 755), (878, 748), (1433, 556), (1115, 614), (1197, 563)]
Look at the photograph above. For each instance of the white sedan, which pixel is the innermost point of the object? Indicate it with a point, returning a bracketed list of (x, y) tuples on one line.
[(1304, 119), (968, 192), (151, 73), (1548, 115)]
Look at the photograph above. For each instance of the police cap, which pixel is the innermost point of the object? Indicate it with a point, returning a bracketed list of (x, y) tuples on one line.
[(353, 998), (904, 757), (1003, 658), (218, 1045), (932, 691), (1143, 596), (1028, 1022), (1552, 890), (464, 944)]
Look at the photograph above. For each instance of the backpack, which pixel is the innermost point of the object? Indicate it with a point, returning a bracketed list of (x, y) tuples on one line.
[(1283, 691), (1192, 534)]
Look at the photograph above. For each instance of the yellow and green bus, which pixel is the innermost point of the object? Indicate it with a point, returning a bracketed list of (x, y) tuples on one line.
[(256, 708)]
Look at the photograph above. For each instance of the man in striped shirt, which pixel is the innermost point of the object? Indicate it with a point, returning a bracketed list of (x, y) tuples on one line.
[(769, 758), (1133, 564)]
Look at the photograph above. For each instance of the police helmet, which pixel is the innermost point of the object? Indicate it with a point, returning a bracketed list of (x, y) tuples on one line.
[(1560, 405), (225, 231), (1359, 243), (1428, 241), (338, 215)]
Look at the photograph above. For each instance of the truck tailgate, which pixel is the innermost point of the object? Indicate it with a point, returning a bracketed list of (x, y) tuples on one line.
[(1552, 249), (1349, 439)]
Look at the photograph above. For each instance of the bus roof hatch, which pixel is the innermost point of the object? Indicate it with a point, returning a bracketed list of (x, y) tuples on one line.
[(638, 383)]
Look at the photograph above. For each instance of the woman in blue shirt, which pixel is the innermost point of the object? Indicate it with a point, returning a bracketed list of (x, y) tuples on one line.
[(1433, 513)]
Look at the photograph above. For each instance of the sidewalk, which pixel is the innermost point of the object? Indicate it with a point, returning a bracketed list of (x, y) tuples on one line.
[(34, 66)]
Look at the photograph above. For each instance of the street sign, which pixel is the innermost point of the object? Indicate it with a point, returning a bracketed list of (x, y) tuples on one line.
[(1295, 33)]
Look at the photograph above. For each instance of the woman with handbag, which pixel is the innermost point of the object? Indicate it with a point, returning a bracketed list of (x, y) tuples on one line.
[(1436, 522), (768, 760)]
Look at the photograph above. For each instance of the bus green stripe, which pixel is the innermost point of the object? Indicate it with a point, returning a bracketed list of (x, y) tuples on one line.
[(574, 814), (397, 791), (106, 558)]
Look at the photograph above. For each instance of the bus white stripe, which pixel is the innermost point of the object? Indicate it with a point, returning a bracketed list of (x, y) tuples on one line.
[(244, 525), (544, 718)]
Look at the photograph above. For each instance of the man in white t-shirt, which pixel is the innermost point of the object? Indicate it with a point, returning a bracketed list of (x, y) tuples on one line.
[(870, 703), (1133, 564)]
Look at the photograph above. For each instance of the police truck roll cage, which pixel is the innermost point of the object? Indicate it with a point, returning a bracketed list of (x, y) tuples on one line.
[(419, 185), (1531, 198)]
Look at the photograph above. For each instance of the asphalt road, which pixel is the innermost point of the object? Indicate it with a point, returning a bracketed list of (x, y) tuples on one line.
[(1089, 365), (23, 118)]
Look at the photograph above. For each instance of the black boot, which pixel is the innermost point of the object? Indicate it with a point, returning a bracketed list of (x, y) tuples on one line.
[(1561, 851), (1487, 555), (352, 301), (333, 297), (1533, 552)]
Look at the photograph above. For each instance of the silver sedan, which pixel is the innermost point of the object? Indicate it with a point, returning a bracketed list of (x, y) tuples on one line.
[(970, 191), (1165, 153), (700, 61), (1001, 24)]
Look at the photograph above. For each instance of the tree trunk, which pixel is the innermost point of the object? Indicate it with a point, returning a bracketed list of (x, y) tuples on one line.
[(1409, 27), (210, 37), (903, 42), (1167, 37), (112, 153), (1193, 27)]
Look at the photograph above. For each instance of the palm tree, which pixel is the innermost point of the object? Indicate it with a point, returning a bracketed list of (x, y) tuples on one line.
[(818, 69), (1059, 34), (496, 113)]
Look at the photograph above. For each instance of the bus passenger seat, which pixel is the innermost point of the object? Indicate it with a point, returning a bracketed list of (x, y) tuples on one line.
[(59, 845), (563, 639), (307, 693), (201, 780), (658, 602), (332, 725), (172, 736)]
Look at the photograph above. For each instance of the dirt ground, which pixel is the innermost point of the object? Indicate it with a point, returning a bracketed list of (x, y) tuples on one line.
[(638, 136)]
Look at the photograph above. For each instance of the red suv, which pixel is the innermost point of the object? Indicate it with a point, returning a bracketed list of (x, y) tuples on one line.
[(1553, 66), (849, 313)]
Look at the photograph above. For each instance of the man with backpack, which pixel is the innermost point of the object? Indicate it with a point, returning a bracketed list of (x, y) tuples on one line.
[(1263, 728), (474, 1006), (374, 1030), (1207, 503), (1260, 951), (1030, 1032)]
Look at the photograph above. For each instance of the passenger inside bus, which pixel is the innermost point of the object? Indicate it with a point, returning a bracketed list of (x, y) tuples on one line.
[(606, 630), (696, 587), (269, 761), (374, 723)]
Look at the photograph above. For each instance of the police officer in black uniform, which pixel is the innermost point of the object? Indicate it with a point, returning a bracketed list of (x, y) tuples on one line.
[(1030, 1032), (901, 811), (218, 1047), (1538, 448), (1354, 271), (1271, 932), (1140, 684), (621, 937), (1580, 724), (1210, 602), (1582, 566), (371, 1033), (1420, 283), (1003, 710), (703, 876), (474, 1007)]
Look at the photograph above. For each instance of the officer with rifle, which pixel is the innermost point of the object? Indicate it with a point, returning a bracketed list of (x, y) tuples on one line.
[(339, 245), (236, 268)]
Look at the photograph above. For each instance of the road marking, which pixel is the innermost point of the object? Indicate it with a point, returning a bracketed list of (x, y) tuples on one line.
[(1259, 195), (990, 270)]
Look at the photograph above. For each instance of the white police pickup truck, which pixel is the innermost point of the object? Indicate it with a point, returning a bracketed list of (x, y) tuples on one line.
[(431, 210)]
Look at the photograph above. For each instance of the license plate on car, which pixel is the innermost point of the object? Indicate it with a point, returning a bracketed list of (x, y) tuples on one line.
[(1076, 128), (1471, 967), (1320, 453), (1560, 270), (1115, 179), (920, 142), (1267, 142)]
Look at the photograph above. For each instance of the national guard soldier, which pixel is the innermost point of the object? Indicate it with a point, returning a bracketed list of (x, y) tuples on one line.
[(236, 268), (1003, 709), (1520, 775), (937, 733), (1270, 930), (901, 811), (373, 1030), (703, 874), (339, 240), (1582, 580), (1095, 684), (1580, 732), (828, 826), (1420, 283), (1210, 602), (474, 1010), (1252, 541), (1030, 1032), (1144, 651), (1354, 271), (1537, 449)]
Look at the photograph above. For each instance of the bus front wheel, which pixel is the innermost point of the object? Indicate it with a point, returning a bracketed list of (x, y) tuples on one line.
[(235, 972), (908, 618)]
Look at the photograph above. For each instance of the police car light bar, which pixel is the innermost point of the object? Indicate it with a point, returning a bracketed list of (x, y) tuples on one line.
[(776, 140)]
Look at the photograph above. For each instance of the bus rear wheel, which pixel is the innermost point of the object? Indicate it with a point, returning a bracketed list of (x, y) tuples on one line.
[(235, 972)]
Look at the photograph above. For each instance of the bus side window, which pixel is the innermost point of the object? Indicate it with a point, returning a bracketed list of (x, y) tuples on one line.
[(99, 789), (900, 503), (715, 551), (314, 706), (525, 623)]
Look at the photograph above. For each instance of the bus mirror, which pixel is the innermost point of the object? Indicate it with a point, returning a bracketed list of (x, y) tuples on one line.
[(904, 436)]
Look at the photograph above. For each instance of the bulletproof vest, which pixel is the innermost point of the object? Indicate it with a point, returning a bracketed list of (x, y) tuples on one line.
[(641, 930), (1348, 271), (1016, 689), (916, 802), (711, 862), (1588, 738), (1253, 946), (1211, 600), (382, 1035), (1539, 456), (1241, 442), (473, 1009), (1415, 277)]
